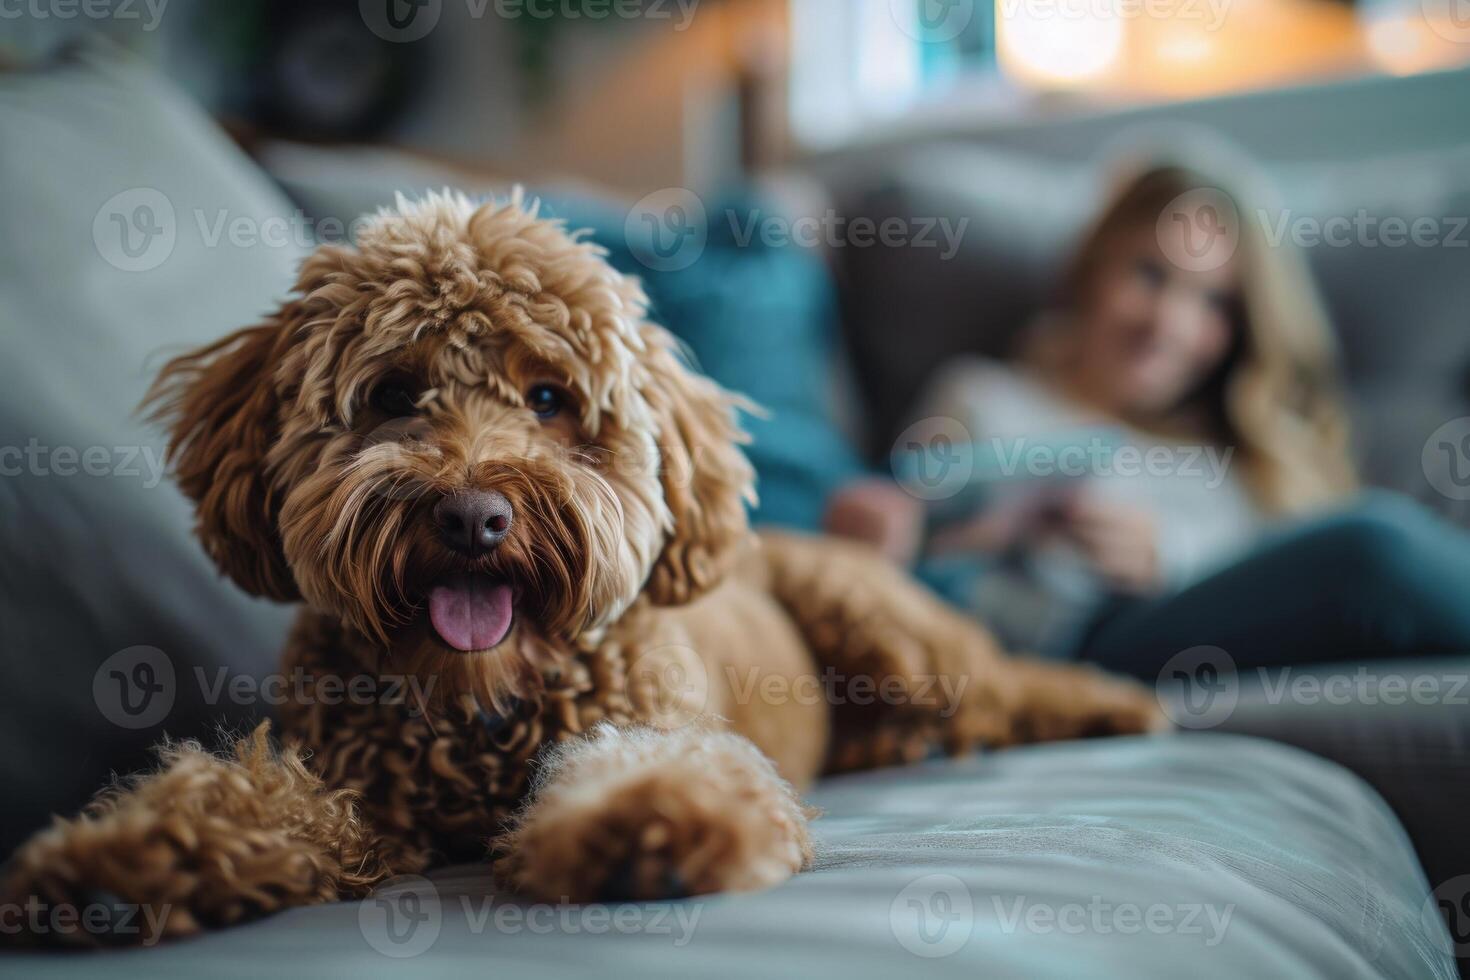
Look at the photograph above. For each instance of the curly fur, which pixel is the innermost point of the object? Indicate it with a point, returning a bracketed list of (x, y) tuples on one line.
[(208, 840), (574, 752), (639, 813)]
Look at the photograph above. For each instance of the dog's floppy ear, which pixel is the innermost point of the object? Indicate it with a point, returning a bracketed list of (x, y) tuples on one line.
[(220, 404), (706, 478)]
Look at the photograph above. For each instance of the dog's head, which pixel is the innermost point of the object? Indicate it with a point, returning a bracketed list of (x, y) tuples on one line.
[(462, 438)]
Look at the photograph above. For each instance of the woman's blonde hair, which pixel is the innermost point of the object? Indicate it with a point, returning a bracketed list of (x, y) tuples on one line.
[(1276, 397)]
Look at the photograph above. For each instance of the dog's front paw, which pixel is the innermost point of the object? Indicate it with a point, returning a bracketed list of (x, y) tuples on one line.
[(715, 819), (95, 883), (1121, 706), (204, 842), (1077, 701)]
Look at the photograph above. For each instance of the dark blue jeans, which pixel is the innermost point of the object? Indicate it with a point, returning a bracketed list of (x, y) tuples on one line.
[(1384, 578)]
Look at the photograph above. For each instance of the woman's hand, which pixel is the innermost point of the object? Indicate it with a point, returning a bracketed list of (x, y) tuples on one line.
[(880, 513), (991, 531), (1121, 541)]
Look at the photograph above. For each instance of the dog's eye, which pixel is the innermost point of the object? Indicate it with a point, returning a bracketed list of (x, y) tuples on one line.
[(546, 401), (394, 399)]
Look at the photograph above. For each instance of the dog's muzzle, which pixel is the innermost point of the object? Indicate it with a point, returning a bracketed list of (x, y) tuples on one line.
[(473, 522)]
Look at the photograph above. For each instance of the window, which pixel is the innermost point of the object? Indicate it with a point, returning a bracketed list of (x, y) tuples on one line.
[(858, 62)]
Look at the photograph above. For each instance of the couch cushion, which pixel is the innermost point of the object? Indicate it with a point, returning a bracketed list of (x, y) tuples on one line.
[(98, 556), (1200, 856), (1400, 724)]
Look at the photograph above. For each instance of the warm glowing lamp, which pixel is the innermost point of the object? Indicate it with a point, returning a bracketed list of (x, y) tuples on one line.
[(1057, 43)]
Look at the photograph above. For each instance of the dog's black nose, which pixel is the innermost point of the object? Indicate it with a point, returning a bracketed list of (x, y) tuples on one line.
[(473, 521)]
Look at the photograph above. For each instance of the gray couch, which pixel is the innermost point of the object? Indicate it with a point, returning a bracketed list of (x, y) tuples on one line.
[(1213, 855)]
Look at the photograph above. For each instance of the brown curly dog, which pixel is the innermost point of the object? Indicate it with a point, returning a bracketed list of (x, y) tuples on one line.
[(462, 446)]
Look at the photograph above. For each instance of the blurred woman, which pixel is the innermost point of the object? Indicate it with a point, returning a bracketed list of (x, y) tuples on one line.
[(1166, 465)]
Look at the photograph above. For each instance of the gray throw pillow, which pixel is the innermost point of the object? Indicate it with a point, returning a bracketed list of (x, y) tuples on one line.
[(133, 230)]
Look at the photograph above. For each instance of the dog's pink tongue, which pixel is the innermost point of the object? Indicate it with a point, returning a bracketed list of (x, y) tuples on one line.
[(471, 613)]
